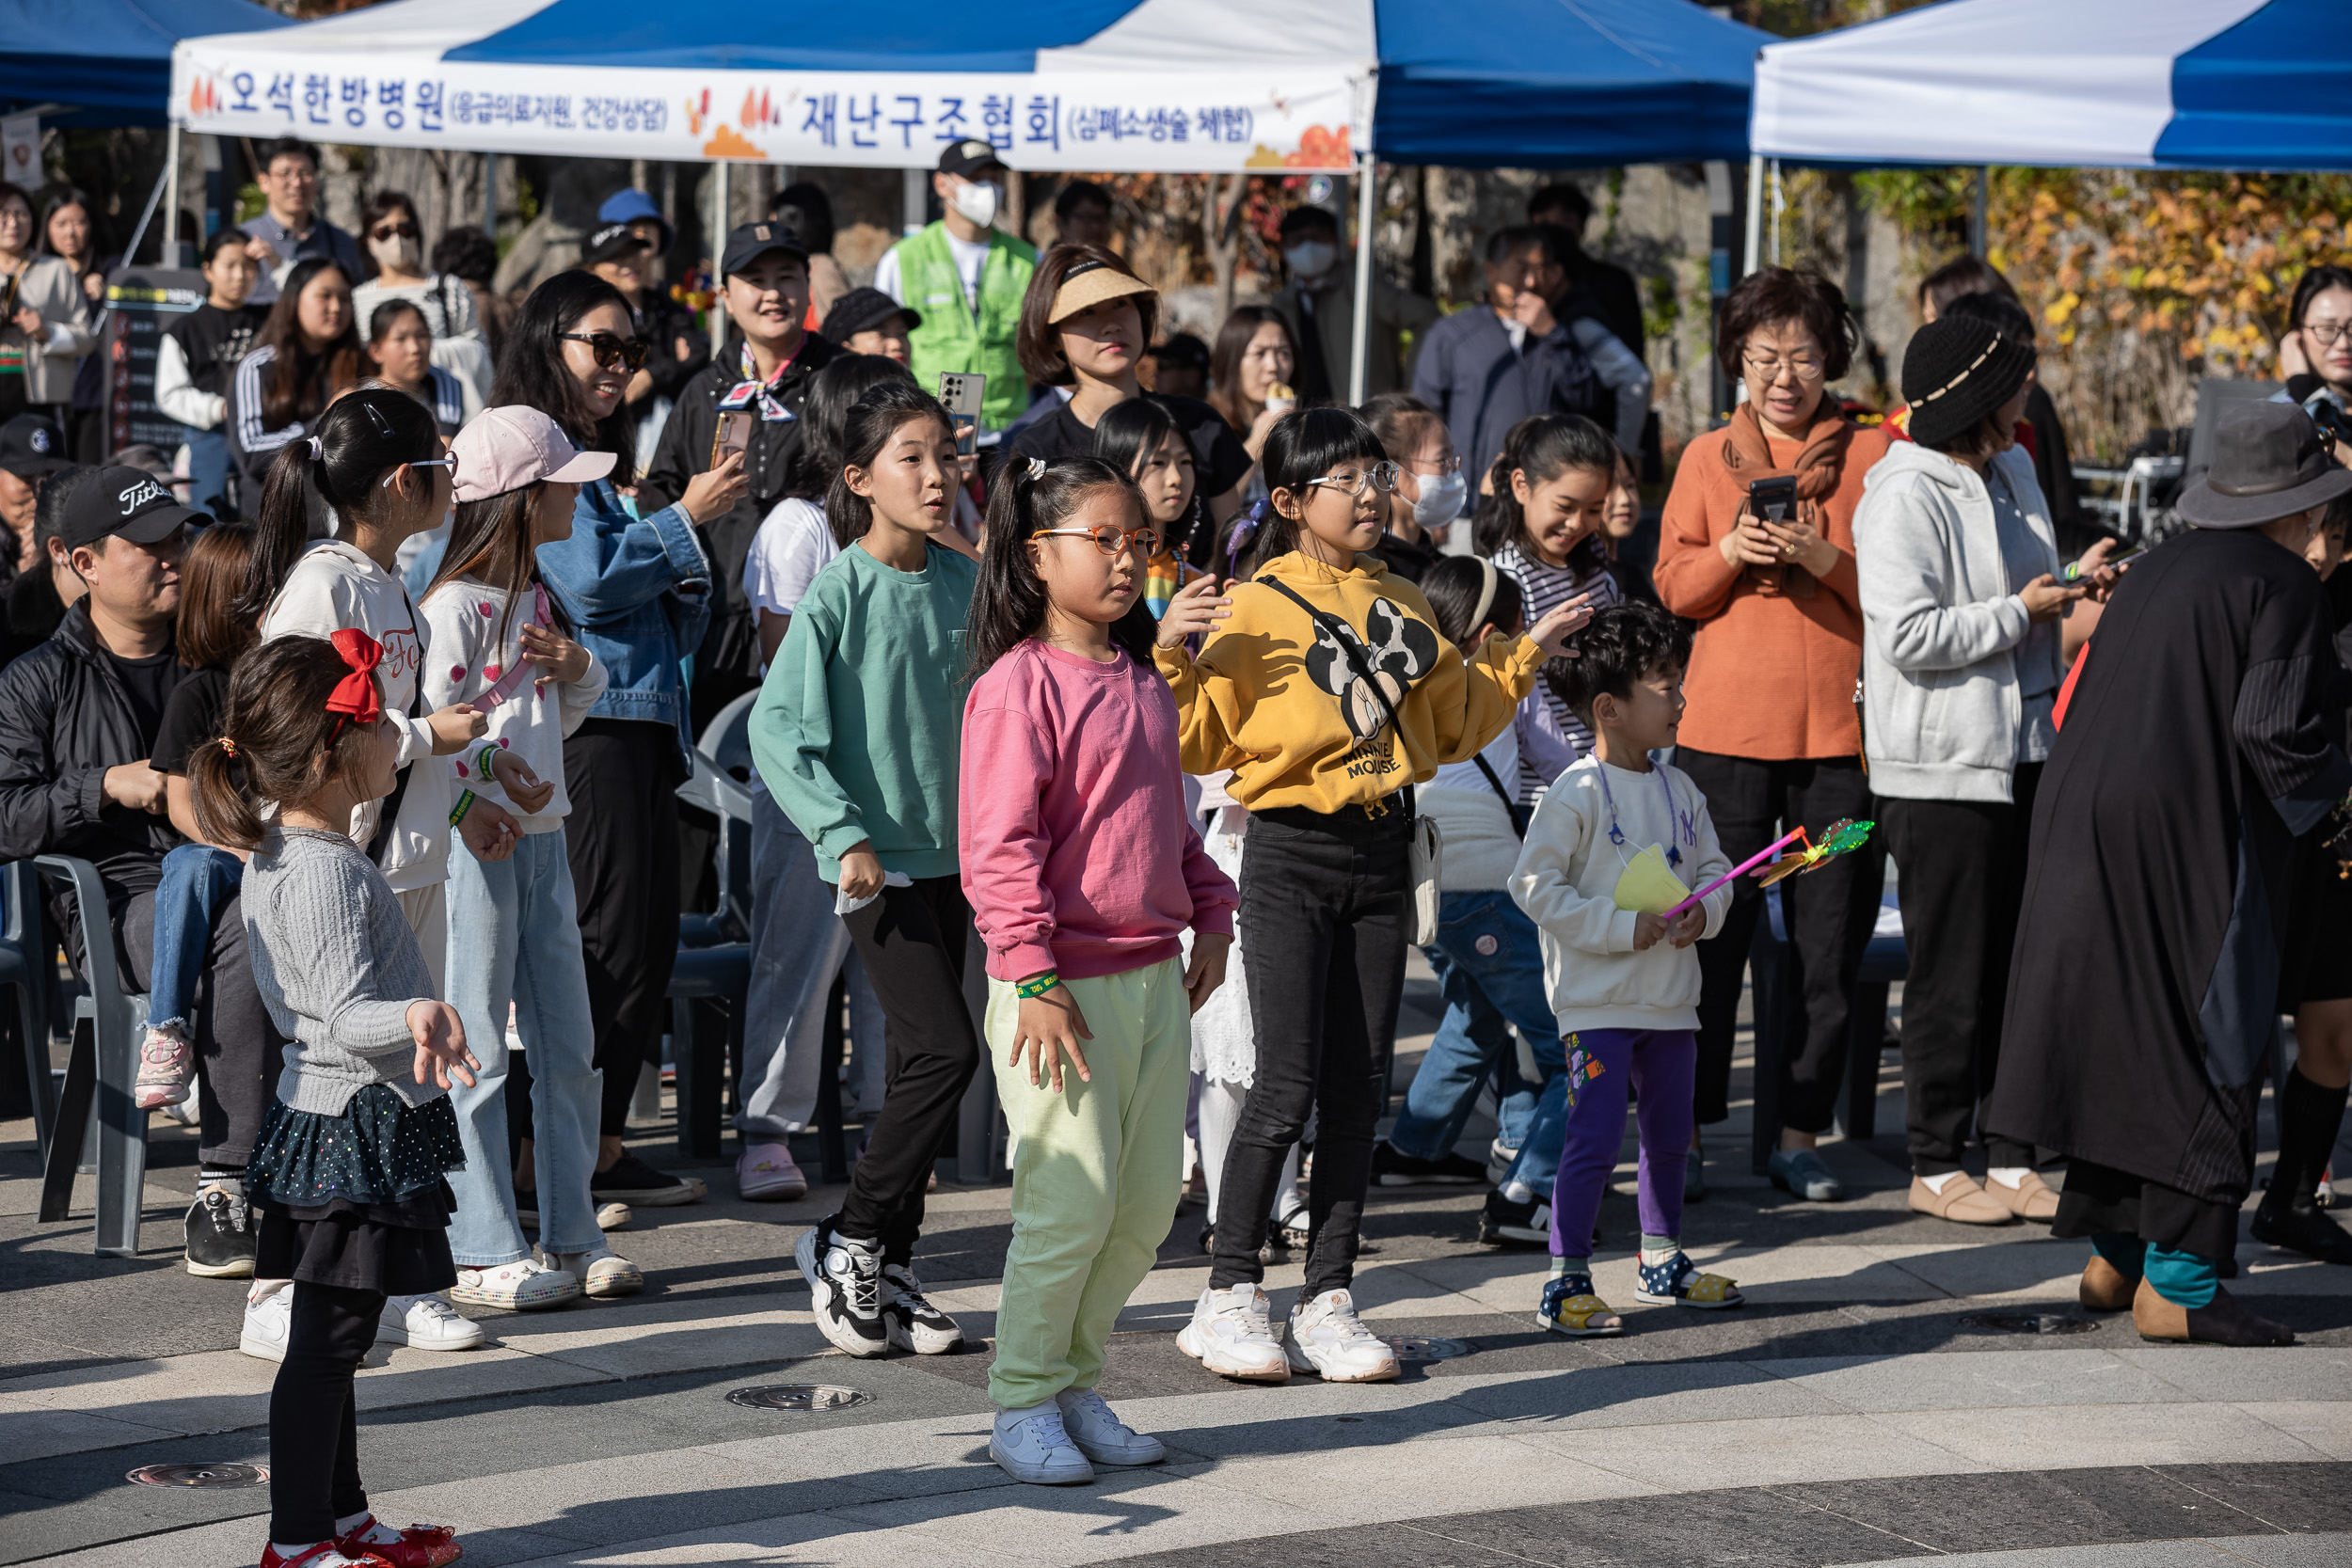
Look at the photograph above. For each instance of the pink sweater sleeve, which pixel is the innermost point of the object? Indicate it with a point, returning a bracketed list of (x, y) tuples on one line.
[(1003, 839)]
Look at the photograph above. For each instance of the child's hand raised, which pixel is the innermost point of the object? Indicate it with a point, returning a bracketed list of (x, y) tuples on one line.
[(1648, 931), (1049, 1029), (524, 787), (441, 1036), (1207, 971), (1198, 606), (1687, 927), (454, 725), (1552, 632), (562, 658)]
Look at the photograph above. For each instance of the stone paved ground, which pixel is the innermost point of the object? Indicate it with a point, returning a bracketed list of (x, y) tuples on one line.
[(1849, 1415)]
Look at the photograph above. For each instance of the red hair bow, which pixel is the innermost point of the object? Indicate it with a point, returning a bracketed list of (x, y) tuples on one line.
[(355, 696)]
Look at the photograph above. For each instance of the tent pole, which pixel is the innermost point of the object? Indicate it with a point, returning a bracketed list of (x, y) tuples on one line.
[(1360, 332), (1976, 215), (490, 196), (1778, 201), (1753, 252), (170, 256), (718, 252)]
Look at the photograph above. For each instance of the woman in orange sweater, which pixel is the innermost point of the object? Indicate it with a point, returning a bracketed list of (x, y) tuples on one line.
[(1771, 736)]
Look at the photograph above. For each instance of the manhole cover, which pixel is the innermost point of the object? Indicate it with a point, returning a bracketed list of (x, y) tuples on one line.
[(799, 1396), (201, 1474), (1411, 1348), (2026, 1322)]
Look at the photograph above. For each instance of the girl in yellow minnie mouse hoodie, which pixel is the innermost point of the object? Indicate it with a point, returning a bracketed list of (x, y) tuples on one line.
[(1324, 685)]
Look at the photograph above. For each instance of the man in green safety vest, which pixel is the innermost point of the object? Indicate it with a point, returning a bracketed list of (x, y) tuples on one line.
[(966, 277)]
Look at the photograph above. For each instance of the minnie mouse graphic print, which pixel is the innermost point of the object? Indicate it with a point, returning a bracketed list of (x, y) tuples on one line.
[(1276, 693)]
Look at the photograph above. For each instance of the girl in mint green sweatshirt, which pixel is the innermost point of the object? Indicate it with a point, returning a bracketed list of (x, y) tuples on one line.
[(856, 734)]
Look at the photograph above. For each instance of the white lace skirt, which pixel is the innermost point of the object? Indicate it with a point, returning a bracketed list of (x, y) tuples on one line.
[(1224, 1039)]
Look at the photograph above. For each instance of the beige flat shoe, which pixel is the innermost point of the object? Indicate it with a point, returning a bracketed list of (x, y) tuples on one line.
[(1962, 1201), (2030, 1199)]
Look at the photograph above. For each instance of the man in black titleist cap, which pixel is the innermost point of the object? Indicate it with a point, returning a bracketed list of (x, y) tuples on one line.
[(2151, 956), (78, 721)]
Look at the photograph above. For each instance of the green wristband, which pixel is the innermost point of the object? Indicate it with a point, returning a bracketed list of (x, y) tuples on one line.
[(1037, 985), (457, 812), (481, 763)]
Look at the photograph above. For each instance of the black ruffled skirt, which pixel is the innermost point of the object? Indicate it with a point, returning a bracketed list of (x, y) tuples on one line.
[(359, 1200)]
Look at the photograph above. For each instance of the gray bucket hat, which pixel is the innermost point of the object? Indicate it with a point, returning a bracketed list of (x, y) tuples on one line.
[(2268, 462)]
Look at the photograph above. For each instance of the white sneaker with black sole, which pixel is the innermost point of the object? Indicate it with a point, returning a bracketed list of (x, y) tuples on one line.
[(910, 1319), (426, 1323), (845, 1289), (1032, 1446)]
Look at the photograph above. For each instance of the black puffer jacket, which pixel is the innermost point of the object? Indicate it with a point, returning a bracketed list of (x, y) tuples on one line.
[(732, 645), (65, 719)]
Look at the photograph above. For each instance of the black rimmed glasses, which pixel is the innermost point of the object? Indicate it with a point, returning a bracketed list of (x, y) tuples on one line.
[(1380, 476), (1108, 537), (611, 351)]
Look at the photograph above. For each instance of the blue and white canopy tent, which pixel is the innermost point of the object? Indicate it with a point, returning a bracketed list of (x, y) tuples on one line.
[(1177, 85), (2102, 84)]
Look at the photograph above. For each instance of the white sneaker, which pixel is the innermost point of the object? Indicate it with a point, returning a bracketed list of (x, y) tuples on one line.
[(601, 1271), (268, 1318), (765, 1173), (1101, 1436), (1032, 1446), (1326, 1337), (910, 1319), (845, 1289), (426, 1323), (1230, 1334), (525, 1286)]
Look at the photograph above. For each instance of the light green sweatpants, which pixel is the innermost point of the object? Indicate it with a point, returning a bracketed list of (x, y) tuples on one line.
[(1095, 1175)]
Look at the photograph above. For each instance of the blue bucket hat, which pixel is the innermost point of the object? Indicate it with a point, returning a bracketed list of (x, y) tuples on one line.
[(632, 206)]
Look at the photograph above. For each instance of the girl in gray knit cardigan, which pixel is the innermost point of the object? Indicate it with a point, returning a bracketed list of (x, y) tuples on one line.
[(349, 1172)]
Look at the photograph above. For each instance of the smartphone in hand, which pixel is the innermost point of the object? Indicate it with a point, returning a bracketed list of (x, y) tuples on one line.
[(734, 434), (1773, 501), (960, 392)]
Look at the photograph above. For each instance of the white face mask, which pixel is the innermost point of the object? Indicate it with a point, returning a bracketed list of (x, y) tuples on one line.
[(396, 254), (1442, 498), (976, 200), (1311, 258)]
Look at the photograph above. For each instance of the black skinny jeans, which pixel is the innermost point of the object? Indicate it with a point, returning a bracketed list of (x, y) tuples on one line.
[(622, 839), (314, 1418), (1322, 917), (1828, 912), (1962, 866), (913, 940)]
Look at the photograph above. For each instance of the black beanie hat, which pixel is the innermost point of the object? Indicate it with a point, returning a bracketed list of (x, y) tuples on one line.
[(1956, 371)]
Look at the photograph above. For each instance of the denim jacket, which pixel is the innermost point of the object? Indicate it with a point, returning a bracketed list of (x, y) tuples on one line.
[(637, 595)]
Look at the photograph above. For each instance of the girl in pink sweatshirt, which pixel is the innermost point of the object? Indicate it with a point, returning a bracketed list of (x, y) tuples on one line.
[(1083, 872)]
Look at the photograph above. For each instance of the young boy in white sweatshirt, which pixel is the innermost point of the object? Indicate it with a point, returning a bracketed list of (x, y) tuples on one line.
[(1616, 842)]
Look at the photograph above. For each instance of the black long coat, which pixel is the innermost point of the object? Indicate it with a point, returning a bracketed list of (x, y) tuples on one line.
[(2144, 993)]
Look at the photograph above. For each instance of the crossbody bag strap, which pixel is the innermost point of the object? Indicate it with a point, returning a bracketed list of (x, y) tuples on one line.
[(391, 813), (1510, 808), (1353, 648)]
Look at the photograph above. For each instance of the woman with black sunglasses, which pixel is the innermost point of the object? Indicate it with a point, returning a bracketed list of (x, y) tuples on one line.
[(638, 592), (395, 243)]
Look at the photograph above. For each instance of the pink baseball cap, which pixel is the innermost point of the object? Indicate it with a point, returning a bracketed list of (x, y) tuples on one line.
[(505, 449)]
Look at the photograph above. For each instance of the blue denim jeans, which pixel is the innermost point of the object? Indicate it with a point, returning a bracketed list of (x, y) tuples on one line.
[(513, 936), (1491, 966), (208, 469), (198, 880)]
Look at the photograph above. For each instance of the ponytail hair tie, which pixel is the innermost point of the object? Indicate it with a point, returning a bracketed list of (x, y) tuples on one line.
[(318, 449), (1244, 535), (1037, 470), (228, 746)]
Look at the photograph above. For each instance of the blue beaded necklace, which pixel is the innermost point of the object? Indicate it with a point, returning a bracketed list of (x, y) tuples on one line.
[(1674, 819)]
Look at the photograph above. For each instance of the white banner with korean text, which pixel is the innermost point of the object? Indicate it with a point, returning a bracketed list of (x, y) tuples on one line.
[(1046, 121)]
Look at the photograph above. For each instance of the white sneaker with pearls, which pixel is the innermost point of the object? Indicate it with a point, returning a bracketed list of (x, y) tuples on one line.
[(601, 1271)]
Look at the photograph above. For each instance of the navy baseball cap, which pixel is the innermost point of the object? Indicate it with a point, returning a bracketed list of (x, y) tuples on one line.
[(751, 241)]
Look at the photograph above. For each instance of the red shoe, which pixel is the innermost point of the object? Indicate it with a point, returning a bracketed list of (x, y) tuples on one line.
[(418, 1546), (327, 1554)]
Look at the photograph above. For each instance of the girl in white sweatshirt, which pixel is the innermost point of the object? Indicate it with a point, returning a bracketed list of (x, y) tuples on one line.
[(499, 648), (1619, 840)]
